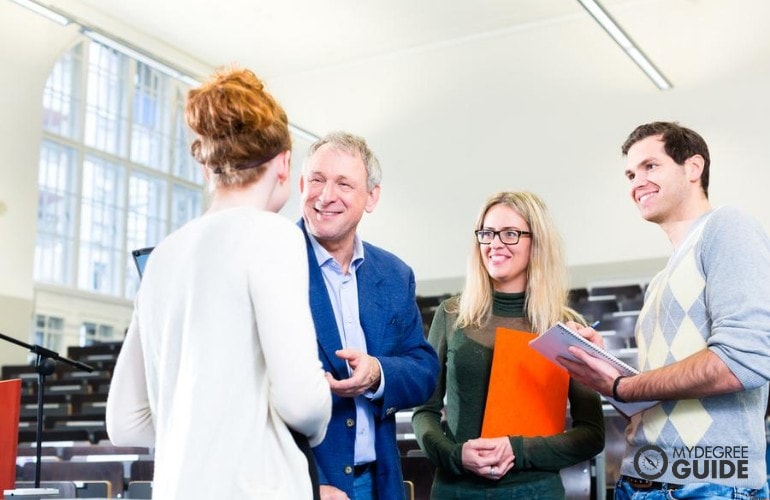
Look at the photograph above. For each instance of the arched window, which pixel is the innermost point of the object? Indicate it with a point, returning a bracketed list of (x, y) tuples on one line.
[(115, 169)]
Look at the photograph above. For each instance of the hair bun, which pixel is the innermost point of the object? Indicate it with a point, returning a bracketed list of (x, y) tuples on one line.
[(239, 126), (230, 104)]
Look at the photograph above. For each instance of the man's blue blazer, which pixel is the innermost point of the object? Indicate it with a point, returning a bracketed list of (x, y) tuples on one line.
[(394, 335)]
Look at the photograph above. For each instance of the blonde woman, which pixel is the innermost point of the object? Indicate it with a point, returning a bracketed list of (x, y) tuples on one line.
[(516, 278)]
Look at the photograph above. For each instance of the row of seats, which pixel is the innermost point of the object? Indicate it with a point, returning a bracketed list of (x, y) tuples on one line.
[(77, 457), (595, 303), (98, 471), (90, 489), (598, 303), (74, 400)]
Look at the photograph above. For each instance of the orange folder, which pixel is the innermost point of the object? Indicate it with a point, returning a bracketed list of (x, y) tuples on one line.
[(10, 401), (527, 392)]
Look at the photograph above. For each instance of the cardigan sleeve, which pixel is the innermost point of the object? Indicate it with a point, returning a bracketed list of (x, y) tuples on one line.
[(128, 414)]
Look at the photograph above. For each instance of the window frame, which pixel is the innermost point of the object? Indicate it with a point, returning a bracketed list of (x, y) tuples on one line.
[(172, 92)]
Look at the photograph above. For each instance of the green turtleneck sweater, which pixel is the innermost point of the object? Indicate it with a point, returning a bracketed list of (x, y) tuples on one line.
[(465, 357)]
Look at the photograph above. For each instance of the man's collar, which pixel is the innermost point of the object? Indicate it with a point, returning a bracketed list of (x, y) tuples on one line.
[(323, 256)]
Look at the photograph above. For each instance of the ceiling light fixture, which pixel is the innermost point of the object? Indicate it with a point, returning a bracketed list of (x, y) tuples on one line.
[(304, 134), (44, 11), (634, 52)]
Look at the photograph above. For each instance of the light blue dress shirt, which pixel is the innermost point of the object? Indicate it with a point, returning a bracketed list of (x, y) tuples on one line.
[(343, 292)]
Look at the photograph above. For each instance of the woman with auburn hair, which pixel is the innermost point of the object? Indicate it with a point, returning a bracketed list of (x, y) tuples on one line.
[(220, 359), (516, 279)]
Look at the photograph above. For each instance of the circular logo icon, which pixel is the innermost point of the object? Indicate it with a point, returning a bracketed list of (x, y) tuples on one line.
[(650, 462)]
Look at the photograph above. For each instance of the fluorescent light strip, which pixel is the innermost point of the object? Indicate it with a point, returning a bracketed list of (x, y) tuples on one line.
[(46, 12), (304, 134), (634, 52)]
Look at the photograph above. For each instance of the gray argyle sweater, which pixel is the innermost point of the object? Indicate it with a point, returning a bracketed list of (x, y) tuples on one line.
[(714, 293)]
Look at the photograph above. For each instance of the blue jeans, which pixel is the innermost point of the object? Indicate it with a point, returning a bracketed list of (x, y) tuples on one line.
[(363, 486), (624, 491)]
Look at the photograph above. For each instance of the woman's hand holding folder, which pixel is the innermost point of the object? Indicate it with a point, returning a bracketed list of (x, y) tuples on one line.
[(491, 458)]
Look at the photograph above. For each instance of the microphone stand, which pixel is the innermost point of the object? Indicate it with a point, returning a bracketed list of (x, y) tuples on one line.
[(44, 366)]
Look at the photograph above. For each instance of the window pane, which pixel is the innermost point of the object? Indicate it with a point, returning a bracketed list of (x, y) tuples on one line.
[(55, 214), (106, 99), (132, 277), (187, 204), (185, 166), (101, 227), (146, 221), (93, 333), (87, 333), (149, 131), (48, 332), (105, 333), (146, 210), (61, 96)]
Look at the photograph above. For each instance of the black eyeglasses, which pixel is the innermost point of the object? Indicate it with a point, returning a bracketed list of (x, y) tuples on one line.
[(507, 236)]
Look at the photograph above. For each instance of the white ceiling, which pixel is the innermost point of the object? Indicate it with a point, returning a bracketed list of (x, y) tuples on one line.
[(689, 40), (463, 98), (280, 37), (369, 66)]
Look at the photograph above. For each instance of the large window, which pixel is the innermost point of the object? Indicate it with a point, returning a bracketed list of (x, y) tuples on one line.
[(115, 169)]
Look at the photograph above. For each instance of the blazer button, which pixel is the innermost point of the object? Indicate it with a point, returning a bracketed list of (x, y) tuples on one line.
[(390, 411), (350, 422), (348, 469)]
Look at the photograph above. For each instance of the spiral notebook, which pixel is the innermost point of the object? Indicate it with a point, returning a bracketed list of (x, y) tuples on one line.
[(556, 341)]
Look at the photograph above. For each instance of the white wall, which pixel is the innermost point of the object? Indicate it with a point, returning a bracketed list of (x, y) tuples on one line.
[(440, 161), (534, 132), (29, 51)]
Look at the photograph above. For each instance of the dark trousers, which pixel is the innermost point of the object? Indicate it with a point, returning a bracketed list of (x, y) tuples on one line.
[(304, 446)]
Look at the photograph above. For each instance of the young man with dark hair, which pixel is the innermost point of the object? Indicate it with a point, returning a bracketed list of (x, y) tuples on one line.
[(703, 334)]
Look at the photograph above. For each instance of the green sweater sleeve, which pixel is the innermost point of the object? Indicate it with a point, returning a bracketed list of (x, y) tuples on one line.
[(581, 442), (426, 419)]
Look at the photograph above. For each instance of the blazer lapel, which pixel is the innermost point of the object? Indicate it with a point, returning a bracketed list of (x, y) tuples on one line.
[(372, 305), (327, 334)]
